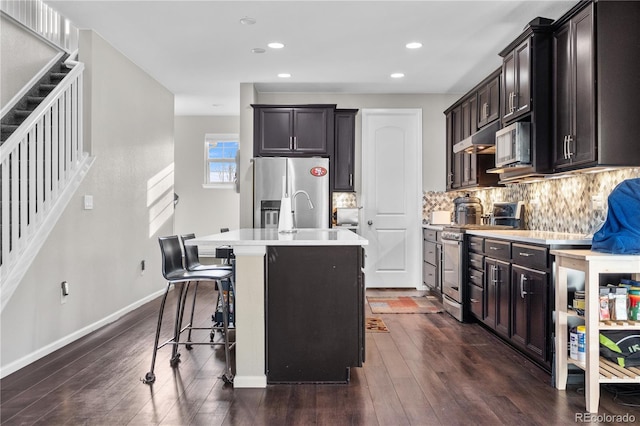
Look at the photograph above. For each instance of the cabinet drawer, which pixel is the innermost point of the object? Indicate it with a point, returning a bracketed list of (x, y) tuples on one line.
[(476, 244), (476, 277), (431, 235), (498, 249), (476, 261), (532, 256), (475, 301), (429, 276), (429, 252)]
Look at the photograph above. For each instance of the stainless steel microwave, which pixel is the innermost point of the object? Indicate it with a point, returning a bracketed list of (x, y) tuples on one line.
[(513, 144)]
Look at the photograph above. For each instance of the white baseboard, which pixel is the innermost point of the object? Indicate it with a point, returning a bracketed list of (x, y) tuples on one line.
[(5, 370), (250, 382)]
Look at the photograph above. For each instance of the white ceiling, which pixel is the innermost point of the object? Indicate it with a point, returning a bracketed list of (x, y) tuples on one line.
[(201, 52)]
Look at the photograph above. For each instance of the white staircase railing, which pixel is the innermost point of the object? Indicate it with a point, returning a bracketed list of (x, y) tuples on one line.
[(44, 21), (41, 165)]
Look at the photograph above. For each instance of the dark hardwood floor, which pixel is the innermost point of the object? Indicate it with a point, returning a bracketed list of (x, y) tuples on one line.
[(428, 370)]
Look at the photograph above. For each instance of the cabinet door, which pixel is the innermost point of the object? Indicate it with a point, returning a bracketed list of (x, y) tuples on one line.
[(496, 295), (574, 130), (310, 130), (274, 131), (523, 78), (529, 325), (582, 143), (458, 169), (488, 101), (449, 150), (509, 85), (493, 108), (469, 116), (344, 151), (469, 169), (503, 302), (562, 94)]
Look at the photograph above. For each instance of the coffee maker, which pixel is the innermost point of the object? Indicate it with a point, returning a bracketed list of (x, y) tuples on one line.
[(467, 210)]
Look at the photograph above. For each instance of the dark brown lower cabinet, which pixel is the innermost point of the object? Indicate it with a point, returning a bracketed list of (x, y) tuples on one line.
[(497, 307), (530, 298), (314, 313)]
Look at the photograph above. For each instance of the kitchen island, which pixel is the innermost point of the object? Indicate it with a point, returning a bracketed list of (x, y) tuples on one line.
[(299, 304)]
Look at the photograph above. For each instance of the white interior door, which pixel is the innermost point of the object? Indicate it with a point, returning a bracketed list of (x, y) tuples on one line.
[(392, 196)]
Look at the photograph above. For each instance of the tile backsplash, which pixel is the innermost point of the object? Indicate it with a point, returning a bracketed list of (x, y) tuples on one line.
[(561, 205)]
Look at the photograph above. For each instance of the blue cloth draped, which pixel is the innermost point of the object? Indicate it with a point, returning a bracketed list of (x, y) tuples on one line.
[(620, 233)]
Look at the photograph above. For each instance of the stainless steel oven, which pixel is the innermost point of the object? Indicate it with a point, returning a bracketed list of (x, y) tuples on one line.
[(452, 277)]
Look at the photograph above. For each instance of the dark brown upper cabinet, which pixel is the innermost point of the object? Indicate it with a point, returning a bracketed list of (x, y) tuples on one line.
[(489, 101), (463, 119), (295, 130), (525, 95), (596, 86), (344, 150), (516, 76), (526, 71)]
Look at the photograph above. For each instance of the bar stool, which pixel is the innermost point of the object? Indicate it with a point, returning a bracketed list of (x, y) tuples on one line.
[(192, 263), (176, 275)]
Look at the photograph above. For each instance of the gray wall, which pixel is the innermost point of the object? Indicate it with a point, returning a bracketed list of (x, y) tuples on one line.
[(433, 124), (201, 211), (98, 251), (22, 55)]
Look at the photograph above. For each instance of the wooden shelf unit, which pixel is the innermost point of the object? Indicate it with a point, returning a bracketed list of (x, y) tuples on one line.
[(597, 369)]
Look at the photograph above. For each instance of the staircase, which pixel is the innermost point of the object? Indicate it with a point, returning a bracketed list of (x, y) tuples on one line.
[(42, 157), (29, 102)]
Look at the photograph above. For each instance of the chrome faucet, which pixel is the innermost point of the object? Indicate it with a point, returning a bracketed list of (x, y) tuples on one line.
[(293, 203)]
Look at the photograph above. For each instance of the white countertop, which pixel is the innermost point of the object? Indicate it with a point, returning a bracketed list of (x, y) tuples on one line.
[(271, 237), (434, 227), (536, 237)]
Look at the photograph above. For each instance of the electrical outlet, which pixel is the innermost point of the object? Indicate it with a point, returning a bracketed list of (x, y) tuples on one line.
[(64, 292), (597, 202)]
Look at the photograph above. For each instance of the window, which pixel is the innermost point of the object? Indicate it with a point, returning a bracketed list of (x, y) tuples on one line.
[(220, 154)]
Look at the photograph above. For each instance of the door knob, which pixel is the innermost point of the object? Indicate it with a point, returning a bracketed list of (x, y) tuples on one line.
[(370, 223)]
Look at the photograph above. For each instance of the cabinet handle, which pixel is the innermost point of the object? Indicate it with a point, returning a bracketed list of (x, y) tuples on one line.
[(495, 248), (569, 150), (523, 278), (350, 179), (291, 143), (295, 142), (472, 300), (525, 254)]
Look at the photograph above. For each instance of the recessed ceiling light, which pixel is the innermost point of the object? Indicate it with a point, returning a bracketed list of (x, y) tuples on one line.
[(247, 21), (284, 75), (397, 75), (258, 50), (276, 45), (414, 45)]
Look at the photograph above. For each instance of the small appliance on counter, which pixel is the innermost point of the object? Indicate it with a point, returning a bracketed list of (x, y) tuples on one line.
[(440, 217), (508, 213), (468, 210), (347, 216)]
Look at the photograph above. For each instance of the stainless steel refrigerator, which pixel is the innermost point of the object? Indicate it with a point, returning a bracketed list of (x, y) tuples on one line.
[(272, 175)]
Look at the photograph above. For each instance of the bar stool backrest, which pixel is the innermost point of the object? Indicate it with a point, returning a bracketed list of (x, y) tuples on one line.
[(171, 257), (191, 257)]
